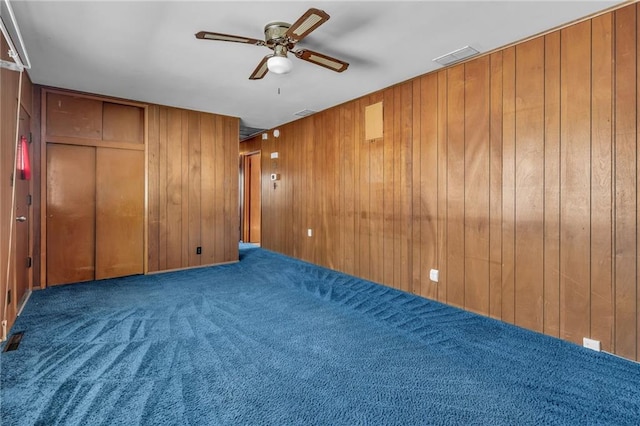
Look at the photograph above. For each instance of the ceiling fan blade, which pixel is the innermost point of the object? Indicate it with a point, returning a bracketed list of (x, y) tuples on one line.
[(206, 35), (322, 60), (308, 22), (261, 70)]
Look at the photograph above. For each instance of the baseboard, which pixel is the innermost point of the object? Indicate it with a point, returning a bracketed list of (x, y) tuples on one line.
[(192, 267)]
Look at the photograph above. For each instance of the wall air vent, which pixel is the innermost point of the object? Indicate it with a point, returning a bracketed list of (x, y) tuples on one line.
[(304, 113), (456, 56)]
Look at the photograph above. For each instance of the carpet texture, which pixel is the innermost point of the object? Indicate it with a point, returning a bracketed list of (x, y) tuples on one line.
[(272, 340)]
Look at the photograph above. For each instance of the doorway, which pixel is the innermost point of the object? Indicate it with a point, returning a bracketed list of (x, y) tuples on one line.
[(251, 202)]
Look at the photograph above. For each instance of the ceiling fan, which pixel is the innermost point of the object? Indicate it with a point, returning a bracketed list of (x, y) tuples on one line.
[(282, 37)]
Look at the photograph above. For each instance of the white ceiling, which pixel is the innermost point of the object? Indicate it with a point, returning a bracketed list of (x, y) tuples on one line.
[(147, 51)]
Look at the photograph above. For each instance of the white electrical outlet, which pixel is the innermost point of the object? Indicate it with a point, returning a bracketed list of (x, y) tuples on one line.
[(433, 275), (309, 232), (591, 344)]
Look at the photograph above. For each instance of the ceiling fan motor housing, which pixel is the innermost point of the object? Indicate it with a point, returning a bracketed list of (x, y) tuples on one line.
[(274, 33)]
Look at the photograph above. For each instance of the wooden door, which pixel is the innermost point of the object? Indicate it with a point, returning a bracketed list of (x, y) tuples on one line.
[(119, 212), (255, 206), (71, 207), (23, 222)]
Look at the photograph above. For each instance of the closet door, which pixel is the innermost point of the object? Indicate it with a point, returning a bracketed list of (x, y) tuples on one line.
[(71, 206), (119, 212)]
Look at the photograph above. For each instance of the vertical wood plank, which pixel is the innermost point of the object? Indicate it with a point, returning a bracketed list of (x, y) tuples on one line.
[(625, 183), (332, 254), (366, 210), (207, 188), (508, 183), (174, 188), (321, 182), (601, 183), (476, 186), (402, 208), (551, 307), (396, 185), (416, 196), (218, 218), (455, 186), (162, 183), (303, 193), (295, 151), (495, 187), (348, 188), (153, 197), (195, 176), (185, 188), (637, 301), (427, 191), (443, 173), (388, 185), (529, 190), (288, 188), (575, 146), (376, 198), (303, 131)]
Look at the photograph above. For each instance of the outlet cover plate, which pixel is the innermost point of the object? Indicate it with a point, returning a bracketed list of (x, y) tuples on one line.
[(434, 275)]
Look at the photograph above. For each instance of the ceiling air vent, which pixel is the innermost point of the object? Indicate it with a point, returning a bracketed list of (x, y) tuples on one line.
[(456, 55), (304, 113)]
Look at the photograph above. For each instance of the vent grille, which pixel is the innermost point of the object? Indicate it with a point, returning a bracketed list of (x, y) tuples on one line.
[(14, 342), (304, 113), (456, 56)]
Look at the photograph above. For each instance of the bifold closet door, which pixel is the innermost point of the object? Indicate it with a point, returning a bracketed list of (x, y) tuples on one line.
[(119, 212), (71, 208)]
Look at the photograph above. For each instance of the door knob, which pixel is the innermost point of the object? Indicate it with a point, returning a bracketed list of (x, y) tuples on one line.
[(21, 219)]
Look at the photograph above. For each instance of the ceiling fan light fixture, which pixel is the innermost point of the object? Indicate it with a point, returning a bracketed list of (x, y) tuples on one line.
[(279, 64)]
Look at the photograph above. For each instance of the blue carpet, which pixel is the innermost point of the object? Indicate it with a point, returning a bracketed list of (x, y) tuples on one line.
[(276, 341)]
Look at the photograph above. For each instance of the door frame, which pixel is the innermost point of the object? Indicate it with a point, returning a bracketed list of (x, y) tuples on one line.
[(245, 193), (25, 130)]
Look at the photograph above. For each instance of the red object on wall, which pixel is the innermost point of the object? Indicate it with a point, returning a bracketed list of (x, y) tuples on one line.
[(24, 165)]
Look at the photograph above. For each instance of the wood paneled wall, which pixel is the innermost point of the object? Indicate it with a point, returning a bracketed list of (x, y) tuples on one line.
[(192, 188), (191, 185), (9, 88), (514, 174)]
